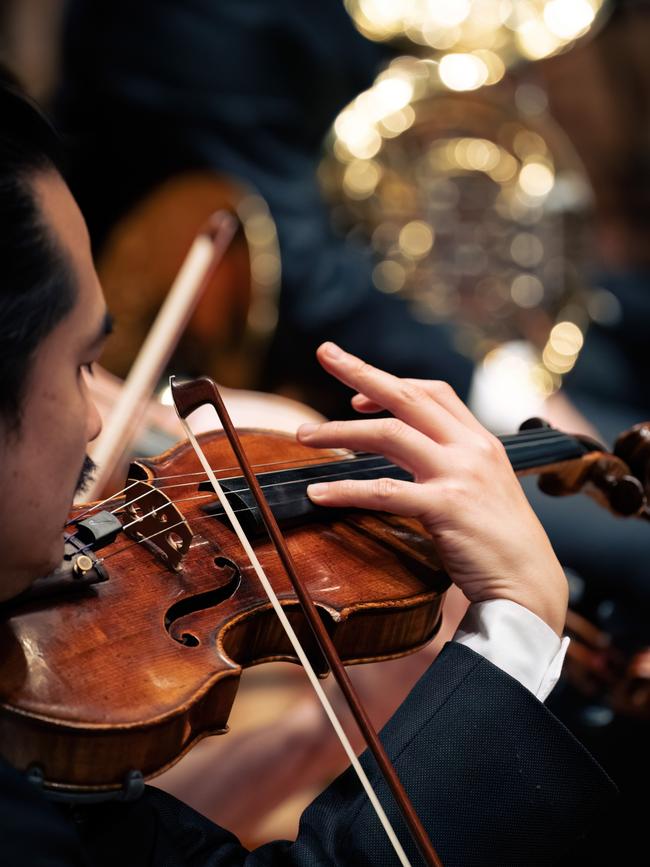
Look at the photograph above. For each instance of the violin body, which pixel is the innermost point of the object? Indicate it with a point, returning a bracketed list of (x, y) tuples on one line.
[(125, 675)]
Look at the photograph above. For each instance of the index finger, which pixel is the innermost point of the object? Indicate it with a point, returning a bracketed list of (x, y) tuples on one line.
[(401, 397)]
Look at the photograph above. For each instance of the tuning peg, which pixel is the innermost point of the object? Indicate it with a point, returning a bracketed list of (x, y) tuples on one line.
[(604, 477), (633, 447)]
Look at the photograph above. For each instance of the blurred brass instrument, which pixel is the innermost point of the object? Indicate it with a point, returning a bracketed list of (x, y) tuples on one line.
[(476, 207), (472, 198), (508, 30)]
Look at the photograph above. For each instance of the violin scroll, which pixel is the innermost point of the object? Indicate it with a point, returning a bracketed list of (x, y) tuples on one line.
[(605, 477), (633, 447)]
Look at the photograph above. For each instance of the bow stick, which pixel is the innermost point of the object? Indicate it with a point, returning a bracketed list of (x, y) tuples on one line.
[(194, 277), (190, 396)]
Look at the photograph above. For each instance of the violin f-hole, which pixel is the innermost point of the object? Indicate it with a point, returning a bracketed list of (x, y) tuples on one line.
[(200, 602)]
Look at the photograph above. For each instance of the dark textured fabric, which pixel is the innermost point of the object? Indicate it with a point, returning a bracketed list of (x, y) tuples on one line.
[(498, 781), (33, 833)]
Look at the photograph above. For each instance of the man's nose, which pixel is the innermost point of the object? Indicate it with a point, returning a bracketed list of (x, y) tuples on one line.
[(94, 422)]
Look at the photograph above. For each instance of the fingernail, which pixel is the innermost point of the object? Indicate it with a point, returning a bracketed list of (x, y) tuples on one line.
[(306, 430), (332, 350), (316, 491)]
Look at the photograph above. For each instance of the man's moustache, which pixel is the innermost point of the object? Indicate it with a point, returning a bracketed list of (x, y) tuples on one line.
[(86, 474)]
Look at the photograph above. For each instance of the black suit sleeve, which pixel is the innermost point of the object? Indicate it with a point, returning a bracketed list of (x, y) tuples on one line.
[(498, 781), (496, 778), (33, 833)]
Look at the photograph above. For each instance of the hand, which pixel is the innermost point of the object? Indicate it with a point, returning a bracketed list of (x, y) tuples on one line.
[(465, 492)]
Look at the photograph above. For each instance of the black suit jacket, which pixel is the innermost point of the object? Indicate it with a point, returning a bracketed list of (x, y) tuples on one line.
[(497, 780)]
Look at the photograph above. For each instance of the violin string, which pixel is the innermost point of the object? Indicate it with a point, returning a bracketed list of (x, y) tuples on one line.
[(540, 435), (236, 491), (233, 493), (97, 506), (289, 469), (317, 459), (330, 476), (131, 502), (355, 463), (523, 439), (117, 494), (372, 457)]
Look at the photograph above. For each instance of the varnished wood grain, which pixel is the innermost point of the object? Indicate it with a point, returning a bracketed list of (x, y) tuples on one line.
[(97, 685)]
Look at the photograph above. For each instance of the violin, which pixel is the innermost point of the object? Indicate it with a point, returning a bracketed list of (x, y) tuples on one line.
[(118, 662), (598, 665)]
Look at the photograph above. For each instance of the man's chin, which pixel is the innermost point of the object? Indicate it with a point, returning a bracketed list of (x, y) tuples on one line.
[(50, 563), (41, 563), (16, 583)]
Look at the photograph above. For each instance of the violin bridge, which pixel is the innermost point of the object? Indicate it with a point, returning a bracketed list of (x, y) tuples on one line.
[(153, 520)]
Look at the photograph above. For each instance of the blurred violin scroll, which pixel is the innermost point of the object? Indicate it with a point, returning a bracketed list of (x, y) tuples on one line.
[(141, 256)]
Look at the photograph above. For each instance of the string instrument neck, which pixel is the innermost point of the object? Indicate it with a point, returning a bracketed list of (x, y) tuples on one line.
[(539, 448), (286, 490)]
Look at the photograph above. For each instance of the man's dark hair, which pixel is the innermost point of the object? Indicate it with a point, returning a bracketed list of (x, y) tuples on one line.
[(37, 287)]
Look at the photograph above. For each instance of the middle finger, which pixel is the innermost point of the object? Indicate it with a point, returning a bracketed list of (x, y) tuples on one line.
[(400, 443)]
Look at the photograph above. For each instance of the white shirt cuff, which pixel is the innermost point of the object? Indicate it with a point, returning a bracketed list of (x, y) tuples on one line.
[(517, 641)]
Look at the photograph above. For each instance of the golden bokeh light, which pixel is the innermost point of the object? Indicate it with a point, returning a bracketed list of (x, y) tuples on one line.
[(396, 123), (462, 199), (563, 347), (569, 19), (361, 178), (463, 71), (416, 239), (511, 29), (389, 276), (566, 338), (536, 179)]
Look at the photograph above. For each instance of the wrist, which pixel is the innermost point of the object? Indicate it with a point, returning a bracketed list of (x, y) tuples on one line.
[(547, 599), (545, 596)]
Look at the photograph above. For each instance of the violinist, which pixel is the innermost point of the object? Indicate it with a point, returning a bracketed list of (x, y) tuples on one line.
[(495, 778)]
